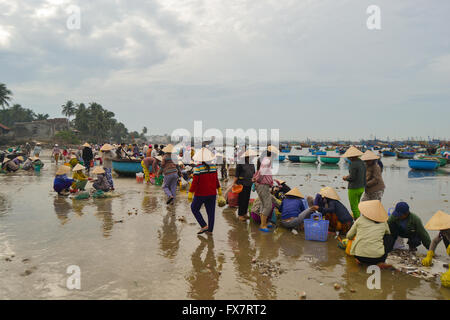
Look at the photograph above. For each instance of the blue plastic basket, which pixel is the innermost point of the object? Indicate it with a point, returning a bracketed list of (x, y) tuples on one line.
[(316, 229)]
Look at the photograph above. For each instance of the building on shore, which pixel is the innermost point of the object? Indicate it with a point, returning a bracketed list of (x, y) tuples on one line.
[(41, 130)]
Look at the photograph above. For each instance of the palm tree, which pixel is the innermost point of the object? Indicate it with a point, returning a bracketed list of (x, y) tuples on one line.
[(5, 95), (68, 109)]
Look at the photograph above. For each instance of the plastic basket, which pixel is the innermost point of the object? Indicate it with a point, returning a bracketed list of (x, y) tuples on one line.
[(139, 177), (159, 180), (316, 229), (37, 168)]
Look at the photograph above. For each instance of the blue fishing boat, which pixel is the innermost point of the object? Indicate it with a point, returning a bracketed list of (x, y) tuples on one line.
[(330, 160), (281, 158), (389, 154), (294, 158), (127, 167), (319, 153), (406, 155), (285, 150), (423, 164)]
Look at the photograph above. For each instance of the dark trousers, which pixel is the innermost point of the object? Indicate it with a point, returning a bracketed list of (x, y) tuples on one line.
[(87, 165), (388, 242), (243, 200), (210, 205)]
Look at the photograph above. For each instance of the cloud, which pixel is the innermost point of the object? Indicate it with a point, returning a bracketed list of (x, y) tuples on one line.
[(306, 67)]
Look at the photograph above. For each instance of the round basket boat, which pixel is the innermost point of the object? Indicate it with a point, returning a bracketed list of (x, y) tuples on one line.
[(330, 160), (127, 167), (308, 159)]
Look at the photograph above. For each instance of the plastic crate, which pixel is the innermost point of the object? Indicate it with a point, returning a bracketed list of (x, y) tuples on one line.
[(316, 229)]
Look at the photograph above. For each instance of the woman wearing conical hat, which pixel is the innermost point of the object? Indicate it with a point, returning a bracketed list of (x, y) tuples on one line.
[(204, 189), (107, 158), (87, 156), (9, 165), (333, 210), (294, 209), (374, 181), (56, 153), (61, 183), (80, 178), (440, 221), (263, 183), (370, 244), (356, 179), (101, 183)]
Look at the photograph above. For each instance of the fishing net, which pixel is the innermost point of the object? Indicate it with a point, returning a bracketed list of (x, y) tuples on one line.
[(82, 196)]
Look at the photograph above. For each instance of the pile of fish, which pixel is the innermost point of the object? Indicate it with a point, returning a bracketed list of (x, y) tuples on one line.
[(267, 268), (407, 262)]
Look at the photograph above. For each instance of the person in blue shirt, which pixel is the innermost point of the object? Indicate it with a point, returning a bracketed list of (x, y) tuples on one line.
[(294, 209), (62, 183), (333, 210)]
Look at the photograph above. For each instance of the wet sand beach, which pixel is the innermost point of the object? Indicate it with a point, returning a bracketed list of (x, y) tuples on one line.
[(134, 246)]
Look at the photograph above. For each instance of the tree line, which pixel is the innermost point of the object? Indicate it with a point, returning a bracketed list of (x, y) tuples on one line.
[(92, 122)]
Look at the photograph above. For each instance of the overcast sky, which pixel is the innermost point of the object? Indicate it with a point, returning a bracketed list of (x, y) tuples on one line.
[(310, 68)]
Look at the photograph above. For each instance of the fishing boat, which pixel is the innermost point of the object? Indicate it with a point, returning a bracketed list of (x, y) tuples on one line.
[(284, 148), (330, 160), (389, 154), (423, 164), (406, 155), (308, 159), (127, 167), (319, 153), (294, 158), (442, 161), (281, 158)]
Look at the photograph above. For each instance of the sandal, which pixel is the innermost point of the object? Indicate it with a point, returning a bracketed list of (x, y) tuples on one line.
[(264, 229), (203, 230)]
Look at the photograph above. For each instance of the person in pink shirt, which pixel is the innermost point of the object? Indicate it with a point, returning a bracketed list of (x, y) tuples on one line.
[(263, 182)]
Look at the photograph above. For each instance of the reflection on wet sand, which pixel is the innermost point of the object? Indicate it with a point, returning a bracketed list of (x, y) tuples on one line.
[(205, 274), (62, 208), (104, 212), (149, 203), (78, 206), (169, 240), (244, 253)]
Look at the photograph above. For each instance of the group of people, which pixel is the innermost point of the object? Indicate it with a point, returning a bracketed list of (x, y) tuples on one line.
[(370, 232)]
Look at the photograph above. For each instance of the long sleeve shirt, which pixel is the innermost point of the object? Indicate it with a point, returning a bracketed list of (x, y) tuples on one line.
[(369, 237), (264, 174), (413, 227), (205, 182), (336, 207), (357, 177)]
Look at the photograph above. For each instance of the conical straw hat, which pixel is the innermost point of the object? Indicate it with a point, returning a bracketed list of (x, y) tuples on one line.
[(159, 158), (78, 167), (203, 155), (369, 155), (273, 149), (295, 192), (106, 147), (62, 170), (439, 221), (374, 210), (168, 149), (6, 160), (20, 158), (86, 145), (98, 170), (352, 152), (330, 193)]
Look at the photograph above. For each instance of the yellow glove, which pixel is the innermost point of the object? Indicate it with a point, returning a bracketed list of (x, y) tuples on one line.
[(428, 261), (219, 191), (190, 195), (445, 279), (448, 250)]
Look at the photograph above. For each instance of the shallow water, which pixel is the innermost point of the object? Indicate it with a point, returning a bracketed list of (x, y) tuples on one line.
[(152, 255)]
